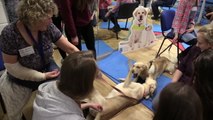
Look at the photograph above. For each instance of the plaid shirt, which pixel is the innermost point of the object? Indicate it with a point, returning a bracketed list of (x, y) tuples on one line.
[(183, 18)]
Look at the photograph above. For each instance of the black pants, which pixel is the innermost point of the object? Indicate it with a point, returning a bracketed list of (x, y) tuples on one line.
[(87, 34), (113, 18), (57, 22), (155, 5)]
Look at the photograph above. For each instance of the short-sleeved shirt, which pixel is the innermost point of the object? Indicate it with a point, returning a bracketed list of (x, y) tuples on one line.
[(11, 41)]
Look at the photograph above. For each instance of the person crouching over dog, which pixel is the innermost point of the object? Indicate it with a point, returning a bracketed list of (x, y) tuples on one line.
[(61, 99)]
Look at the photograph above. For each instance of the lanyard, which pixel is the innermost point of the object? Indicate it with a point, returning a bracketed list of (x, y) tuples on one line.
[(38, 44)]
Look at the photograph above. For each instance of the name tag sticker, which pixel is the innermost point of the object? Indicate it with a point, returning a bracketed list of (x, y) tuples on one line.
[(26, 51)]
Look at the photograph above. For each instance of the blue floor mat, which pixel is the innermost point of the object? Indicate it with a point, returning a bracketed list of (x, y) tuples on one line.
[(156, 28), (115, 66), (162, 81), (104, 25), (101, 47)]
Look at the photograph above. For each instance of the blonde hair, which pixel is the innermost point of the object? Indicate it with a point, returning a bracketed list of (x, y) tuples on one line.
[(207, 32), (32, 11)]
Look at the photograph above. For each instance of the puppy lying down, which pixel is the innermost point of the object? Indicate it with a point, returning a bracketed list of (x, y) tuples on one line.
[(116, 101), (132, 92), (160, 65)]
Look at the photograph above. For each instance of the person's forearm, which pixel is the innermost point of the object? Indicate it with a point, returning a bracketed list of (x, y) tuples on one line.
[(24, 73), (177, 75), (65, 45), (85, 105)]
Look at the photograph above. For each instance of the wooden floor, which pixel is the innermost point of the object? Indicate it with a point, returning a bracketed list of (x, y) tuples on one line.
[(137, 112)]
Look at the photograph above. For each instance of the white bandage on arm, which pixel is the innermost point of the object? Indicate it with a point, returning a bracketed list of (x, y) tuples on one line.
[(24, 73)]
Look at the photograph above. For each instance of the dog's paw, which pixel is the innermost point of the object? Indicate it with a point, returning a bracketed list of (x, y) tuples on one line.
[(171, 73), (147, 97), (122, 79), (148, 28)]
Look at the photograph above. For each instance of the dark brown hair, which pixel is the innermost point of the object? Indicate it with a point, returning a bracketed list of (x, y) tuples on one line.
[(203, 83), (179, 101), (78, 72)]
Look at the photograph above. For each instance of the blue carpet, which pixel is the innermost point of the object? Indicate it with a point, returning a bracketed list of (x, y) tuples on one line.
[(115, 66), (162, 81), (101, 47), (104, 25), (156, 28)]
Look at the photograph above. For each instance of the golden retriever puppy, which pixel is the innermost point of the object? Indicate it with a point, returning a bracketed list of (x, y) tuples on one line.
[(95, 97), (117, 101), (160, 65), (139, 69), (114, 105)]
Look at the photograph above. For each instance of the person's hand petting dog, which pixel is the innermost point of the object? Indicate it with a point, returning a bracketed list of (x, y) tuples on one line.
[(94, 106)]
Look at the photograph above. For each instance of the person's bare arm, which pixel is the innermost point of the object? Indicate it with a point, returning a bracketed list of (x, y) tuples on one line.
[(177, 75), (95, 106), (65, 45)]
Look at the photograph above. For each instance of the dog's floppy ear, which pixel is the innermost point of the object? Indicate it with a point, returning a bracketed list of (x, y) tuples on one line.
[(146, 11), (144, 72), (135, 12)]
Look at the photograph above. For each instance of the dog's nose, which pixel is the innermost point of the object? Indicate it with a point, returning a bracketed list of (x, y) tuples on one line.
[(141, 17)]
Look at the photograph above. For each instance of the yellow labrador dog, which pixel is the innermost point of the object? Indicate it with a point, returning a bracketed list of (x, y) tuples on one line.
[(139, 69), (160, 65), (116, 101)]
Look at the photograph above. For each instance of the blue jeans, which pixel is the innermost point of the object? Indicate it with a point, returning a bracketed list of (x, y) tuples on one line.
[(188, 37)]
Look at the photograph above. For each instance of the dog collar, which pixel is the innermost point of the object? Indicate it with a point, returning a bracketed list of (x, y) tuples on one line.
[(136, 27)]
